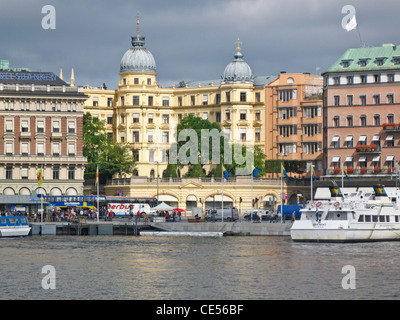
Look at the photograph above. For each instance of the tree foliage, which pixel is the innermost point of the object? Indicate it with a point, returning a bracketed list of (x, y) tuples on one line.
[(196, 170), (102, 151)]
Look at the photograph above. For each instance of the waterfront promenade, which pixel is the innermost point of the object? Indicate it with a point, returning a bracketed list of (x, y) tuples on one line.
[(129, 227)]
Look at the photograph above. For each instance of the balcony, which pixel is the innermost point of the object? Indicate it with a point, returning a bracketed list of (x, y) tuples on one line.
[(373, 148), (391, 127)]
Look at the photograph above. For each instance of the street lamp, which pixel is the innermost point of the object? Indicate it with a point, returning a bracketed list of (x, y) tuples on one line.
[(283, 155), (158, 177)]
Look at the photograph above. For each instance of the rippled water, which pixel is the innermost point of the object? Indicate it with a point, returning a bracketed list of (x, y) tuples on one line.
[(147, 268)]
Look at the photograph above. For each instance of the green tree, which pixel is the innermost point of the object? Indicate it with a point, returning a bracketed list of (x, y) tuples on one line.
[(170, 171), (102, 151)]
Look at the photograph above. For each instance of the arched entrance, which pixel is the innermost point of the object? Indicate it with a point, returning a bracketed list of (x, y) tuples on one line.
[(215, 202)]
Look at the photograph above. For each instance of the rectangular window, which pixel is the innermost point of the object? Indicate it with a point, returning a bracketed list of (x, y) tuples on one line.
[(228, 96), (24, 126), (242, 114), (9, 148), (150, 100), (9, 126), (135, 136), (165, 118), (227, 115), (110, 102), (257, 115), (192, 100), (205, 99), (390, 98), (150, 118), (135, 118), (165, 101), (40, 149), (56, 149), (71, 126), (349, 100), (24, 148), (56, 126), (95, 101), (56, 172), (336, 100), (363, 100), (135, 100), (242, 134), (257, 135), (243, 96), (9, 171), (377, 99), (40, 126), (218, 116), (24, 172), (218, 98), (165, 137), (109, 119), (150, 137), (71, 172)]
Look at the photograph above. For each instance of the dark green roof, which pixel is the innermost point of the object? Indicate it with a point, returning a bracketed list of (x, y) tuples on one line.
[(387, 53)]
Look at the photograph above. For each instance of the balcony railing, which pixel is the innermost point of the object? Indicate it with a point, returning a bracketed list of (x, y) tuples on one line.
[(368, 148), (360, 172), (391, 127)]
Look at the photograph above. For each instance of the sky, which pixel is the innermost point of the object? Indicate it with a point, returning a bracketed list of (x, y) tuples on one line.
[(191, 40)]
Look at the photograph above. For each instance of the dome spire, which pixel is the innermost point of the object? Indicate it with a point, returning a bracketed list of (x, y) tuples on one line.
[(137, 41), (238, 43), (138, 24)]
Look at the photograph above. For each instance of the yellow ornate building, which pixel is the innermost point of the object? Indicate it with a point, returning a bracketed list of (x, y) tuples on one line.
[(145, 115)]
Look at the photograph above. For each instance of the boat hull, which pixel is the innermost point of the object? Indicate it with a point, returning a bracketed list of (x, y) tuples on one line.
[(14, 231), (307, 231)]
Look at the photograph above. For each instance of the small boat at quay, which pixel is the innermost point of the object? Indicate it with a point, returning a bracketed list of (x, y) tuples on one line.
[(358, 217), (14, 226)]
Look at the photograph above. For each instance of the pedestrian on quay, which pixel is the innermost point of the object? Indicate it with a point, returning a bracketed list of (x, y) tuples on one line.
[(293, 216)]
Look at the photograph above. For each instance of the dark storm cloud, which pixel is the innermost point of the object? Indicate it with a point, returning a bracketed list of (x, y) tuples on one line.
[(190, 40)]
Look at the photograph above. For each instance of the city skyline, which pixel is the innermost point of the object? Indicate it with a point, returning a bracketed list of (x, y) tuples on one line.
[(190, 41)]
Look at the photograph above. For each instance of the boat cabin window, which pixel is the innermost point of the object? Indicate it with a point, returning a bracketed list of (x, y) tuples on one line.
[(23, 220), (388, 218), (381, 218), (3, 221), (367, 218), (361, 218), (12, 220), (396, 218)]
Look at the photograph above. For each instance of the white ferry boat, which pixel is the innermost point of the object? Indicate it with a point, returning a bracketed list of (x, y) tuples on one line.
[(14, 226), (358, 217)]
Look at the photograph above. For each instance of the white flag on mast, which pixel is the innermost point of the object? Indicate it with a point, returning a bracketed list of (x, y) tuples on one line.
[(352, 24)]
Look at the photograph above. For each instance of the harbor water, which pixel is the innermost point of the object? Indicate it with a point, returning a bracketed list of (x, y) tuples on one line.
[(206, 268)]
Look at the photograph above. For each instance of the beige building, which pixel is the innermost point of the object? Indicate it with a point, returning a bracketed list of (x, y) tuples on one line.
[(145, 115)]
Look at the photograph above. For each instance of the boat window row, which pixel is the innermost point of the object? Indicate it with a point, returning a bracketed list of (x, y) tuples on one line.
[(376, 218), (11, 221)]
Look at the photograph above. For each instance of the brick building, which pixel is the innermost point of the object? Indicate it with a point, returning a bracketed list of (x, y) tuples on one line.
[(361, 112), (41, 121)]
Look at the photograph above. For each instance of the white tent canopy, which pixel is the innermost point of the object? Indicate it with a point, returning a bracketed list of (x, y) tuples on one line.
[(163, 206)]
